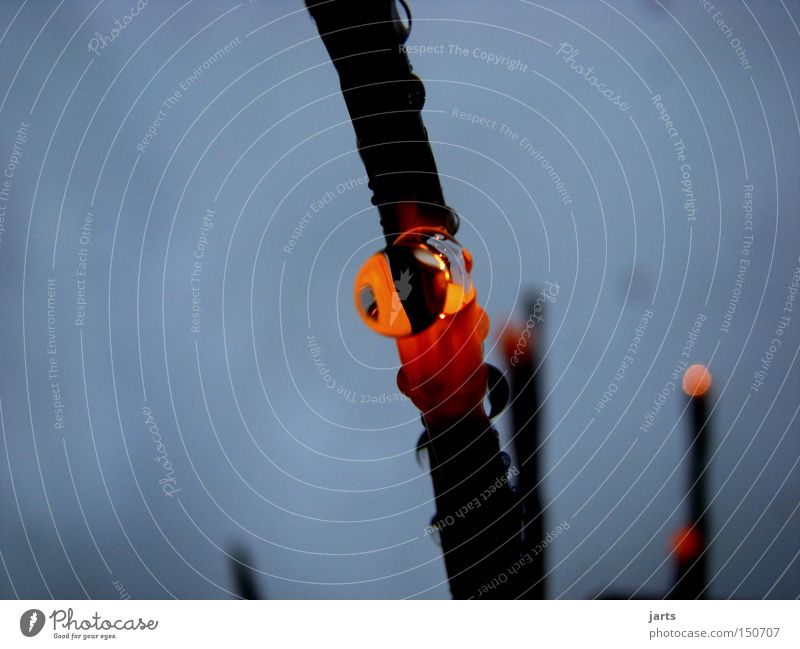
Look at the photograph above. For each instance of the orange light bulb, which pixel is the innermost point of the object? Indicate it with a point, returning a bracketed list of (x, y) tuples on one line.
[(686, 543), (697, 380)]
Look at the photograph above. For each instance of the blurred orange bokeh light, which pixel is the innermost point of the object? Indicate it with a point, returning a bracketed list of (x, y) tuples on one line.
[(697, 380), (686, 543)]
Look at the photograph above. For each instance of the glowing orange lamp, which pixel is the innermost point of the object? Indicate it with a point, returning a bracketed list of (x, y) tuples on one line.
[(696, 380), (419, 291), (686, 544), (689, 542)]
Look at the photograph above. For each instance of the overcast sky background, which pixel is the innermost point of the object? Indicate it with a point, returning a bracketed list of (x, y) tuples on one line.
[(321, 484)]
